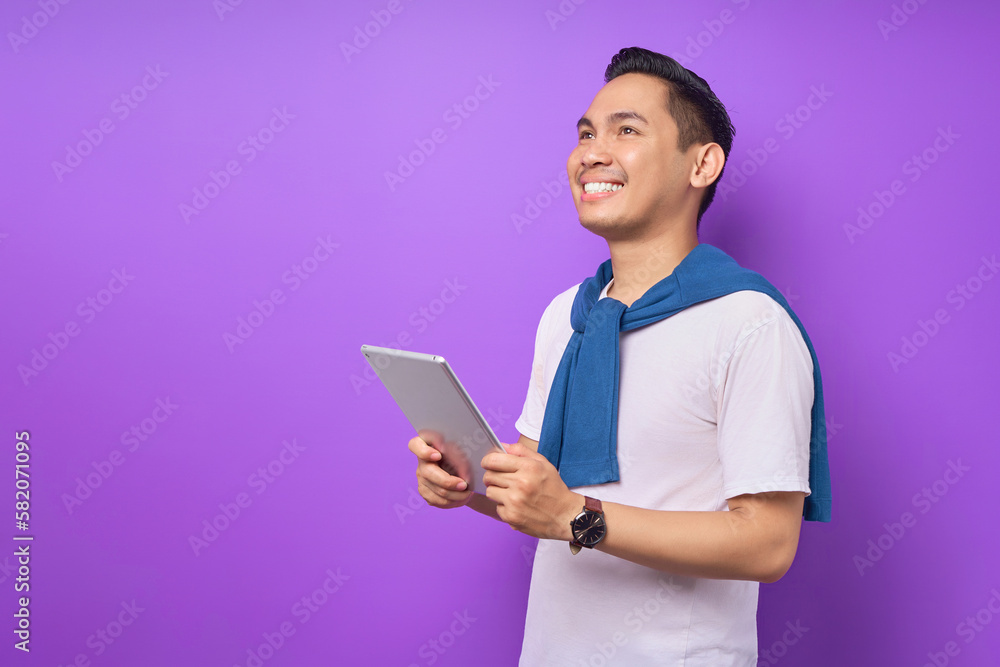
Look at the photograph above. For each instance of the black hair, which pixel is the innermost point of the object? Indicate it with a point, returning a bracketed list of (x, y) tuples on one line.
[(699, 114)]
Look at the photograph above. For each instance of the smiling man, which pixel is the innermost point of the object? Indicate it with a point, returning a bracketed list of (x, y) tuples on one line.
[(673, 433)]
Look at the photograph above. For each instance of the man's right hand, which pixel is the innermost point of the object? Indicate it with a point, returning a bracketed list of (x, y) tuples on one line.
[(436, 486)]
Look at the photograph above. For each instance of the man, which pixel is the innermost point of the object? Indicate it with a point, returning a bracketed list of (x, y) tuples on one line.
[(673, 423)]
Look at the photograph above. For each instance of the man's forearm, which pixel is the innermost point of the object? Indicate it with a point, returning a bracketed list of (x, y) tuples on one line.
[(711, 545)]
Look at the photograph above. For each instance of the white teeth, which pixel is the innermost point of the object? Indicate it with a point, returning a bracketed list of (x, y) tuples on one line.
[(602, 187)]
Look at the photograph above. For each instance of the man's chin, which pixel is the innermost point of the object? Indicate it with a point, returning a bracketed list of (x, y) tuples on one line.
[(612, 229), (596, 223), (603, 227)]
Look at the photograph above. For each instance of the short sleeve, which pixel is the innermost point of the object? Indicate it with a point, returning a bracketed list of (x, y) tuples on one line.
[(529, 423), (765, 398)]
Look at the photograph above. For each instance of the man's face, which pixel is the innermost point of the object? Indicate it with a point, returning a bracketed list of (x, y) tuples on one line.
[(628, 138)]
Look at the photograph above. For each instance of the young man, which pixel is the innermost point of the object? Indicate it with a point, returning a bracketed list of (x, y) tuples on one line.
[(674, 419)]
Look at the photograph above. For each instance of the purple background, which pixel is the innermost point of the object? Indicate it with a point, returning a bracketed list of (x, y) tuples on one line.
[(343, 501)]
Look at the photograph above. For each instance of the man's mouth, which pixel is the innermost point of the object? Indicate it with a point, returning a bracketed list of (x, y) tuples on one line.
[(602, 187), (599, 190)]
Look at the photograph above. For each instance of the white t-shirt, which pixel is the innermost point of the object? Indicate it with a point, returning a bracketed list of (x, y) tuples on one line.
[(714, 402)]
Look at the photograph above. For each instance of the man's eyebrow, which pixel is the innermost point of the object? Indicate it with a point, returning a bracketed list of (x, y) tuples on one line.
[(614, 117)]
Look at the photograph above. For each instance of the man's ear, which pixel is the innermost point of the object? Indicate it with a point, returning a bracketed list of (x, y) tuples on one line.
[(709, 161)]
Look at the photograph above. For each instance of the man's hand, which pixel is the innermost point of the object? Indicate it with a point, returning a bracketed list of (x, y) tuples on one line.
[(435, 485), (530, 495)]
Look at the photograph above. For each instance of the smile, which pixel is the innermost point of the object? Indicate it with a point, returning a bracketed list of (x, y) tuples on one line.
[(599, 190), (602, 187)]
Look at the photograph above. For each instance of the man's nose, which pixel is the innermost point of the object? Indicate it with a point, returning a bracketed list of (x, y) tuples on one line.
[(596, 153)]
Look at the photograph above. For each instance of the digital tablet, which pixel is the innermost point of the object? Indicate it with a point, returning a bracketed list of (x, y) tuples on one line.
[(428, 392)]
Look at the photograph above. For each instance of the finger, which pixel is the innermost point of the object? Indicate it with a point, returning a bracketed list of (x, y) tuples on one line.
[(496, 494), (433, 499), (491, 478), (499, 462), (438, 496), (435, 476), (442, 478), (517, 449), (429, 495), (422, 450)]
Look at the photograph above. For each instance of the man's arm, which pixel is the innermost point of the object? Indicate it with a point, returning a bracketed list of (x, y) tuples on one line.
[(755, 540)]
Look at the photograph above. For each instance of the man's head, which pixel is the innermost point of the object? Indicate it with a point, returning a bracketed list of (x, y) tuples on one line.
[(658, 130)]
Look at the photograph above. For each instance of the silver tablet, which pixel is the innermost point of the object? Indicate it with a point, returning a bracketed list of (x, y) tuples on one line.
[(437, 405)]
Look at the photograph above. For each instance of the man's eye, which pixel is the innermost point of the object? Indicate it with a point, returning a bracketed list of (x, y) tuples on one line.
[(628, 128), (583, 135)]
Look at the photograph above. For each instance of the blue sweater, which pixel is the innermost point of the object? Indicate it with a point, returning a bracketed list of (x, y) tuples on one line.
[(582, 407)]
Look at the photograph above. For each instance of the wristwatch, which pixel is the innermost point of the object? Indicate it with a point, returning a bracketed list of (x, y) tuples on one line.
[(589, 527)]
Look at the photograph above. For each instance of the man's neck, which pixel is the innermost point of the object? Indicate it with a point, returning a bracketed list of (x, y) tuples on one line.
[(638, 264)]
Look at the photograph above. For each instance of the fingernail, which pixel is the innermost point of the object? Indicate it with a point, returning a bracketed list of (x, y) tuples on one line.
[(462, 485)]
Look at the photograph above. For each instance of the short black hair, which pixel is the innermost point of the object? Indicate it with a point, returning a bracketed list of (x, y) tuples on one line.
[(699, 114)]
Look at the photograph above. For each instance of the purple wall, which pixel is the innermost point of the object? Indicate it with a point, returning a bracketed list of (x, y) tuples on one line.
[(171, 169)]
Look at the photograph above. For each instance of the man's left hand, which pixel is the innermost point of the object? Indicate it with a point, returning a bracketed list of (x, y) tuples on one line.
[(530, 495)]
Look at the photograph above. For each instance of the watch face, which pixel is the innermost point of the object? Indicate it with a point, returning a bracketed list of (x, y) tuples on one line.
[(589, 528)]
